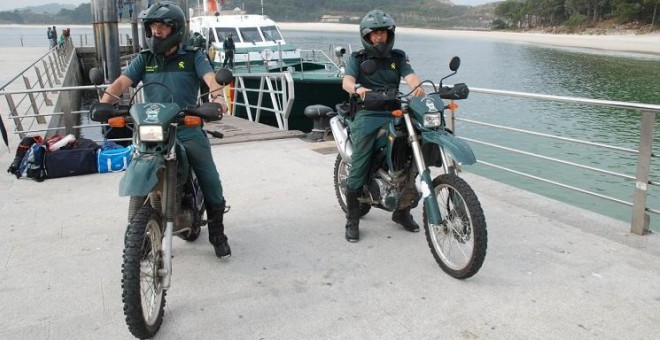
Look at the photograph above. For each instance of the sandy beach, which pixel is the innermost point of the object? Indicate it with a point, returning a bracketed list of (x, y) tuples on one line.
[(642, 43), (634, 43)]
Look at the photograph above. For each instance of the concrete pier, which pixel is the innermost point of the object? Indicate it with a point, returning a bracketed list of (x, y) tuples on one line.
[(552, 271)]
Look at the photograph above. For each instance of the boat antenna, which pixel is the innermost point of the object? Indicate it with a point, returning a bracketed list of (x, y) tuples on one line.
[(262, 7)]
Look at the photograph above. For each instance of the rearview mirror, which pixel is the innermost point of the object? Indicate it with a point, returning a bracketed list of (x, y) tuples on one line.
[(96, 76), (455, 63), (224, 76)]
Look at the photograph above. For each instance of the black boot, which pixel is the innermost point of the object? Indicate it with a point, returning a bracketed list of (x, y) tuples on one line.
[(404, 218), (352, 216), (217, 231)]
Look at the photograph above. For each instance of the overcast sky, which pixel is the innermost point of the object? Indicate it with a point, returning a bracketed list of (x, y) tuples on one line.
[(6, 5)]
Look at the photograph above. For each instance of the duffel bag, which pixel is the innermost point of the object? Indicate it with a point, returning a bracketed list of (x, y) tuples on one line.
[(113, 160), (70, 162)]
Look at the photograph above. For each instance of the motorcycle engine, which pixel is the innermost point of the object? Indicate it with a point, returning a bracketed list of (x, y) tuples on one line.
[(184, 219), (384, 193)]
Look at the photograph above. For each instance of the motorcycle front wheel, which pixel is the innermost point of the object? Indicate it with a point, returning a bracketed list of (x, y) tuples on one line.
[(142, 286), (459, 242), (340, 177)]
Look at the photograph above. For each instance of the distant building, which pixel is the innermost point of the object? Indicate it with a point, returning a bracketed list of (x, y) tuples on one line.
[(332, 18)]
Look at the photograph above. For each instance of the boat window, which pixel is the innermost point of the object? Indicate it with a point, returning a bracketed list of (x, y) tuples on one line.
[(223, 32), (271, 33), (250, 34)]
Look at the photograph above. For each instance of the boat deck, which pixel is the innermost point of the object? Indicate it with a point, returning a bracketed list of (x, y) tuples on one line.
[(239, 130)]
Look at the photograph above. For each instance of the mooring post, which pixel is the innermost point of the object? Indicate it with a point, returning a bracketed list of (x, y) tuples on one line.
[(640, 219)]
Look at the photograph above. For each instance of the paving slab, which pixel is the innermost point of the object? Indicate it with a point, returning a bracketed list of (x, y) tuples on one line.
[(293, 276), (552, 271)]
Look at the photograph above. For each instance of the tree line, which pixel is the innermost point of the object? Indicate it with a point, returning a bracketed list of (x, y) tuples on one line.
[(81, 15), (518, 14), (418, 13), (574, 14)]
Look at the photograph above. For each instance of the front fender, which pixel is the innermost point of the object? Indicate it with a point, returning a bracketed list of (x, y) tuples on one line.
[(458, 149), (141, 175)]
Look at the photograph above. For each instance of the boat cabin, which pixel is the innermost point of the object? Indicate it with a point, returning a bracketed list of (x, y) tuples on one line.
[(257, 38)]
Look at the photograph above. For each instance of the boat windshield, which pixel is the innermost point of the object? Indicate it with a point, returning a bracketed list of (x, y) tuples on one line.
[(250, 34), (271, 33), (223, 32)]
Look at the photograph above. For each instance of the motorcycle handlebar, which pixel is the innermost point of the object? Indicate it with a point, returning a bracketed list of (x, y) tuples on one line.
[(458, 91), (101, 112), (207, 111)]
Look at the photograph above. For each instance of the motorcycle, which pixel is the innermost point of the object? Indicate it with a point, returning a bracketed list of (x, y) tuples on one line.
[(165, 197), (415, 139)]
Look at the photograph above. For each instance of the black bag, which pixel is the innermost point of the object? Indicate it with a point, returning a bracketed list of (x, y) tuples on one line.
[(71, 162), (21, 150), (86, 143), (381, 100), (32, 164)]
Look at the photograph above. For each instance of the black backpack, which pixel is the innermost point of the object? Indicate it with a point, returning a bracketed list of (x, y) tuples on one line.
[(21, 150), (32, 164)]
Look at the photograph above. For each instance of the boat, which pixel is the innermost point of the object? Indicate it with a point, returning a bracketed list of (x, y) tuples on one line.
[(274, 80)]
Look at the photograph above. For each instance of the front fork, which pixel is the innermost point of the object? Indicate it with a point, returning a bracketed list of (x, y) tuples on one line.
[(169, 188), (424, 182)]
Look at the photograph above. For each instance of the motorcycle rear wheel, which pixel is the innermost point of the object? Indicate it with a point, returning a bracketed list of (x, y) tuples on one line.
[(143, 294), (340, 177), (459, 242)]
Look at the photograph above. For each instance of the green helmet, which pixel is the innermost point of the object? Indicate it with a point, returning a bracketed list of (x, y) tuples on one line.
[(170, 14), (374, 21)]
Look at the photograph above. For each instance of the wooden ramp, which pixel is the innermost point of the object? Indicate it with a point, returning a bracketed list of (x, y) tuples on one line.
[(238, 130)]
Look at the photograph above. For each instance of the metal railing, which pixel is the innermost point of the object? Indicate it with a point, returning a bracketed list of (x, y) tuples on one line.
[(640, 181), (277, 86), (28, 116), (28, 108)]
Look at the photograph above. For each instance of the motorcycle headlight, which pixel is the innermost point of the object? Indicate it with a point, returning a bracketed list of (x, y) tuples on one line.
[(151, 133), (432, 120)]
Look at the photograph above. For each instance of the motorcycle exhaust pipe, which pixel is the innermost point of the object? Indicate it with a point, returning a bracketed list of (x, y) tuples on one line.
[(340, 133)]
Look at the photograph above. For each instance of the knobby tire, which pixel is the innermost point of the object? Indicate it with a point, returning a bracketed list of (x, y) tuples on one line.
[(463, 223), (137, 247)]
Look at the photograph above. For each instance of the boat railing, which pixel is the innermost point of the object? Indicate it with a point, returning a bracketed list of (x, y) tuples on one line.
[(640, 182), (319, 57), (277, 86)]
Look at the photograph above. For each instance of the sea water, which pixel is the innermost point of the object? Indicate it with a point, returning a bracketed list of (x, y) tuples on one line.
[(515, 67)]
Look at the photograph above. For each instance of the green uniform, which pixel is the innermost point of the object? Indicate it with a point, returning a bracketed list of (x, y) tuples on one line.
[(181, 73), (365, 125)]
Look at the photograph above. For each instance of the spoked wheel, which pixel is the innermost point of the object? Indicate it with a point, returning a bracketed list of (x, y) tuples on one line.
[(143, 294), (340, 176), (459, 242)]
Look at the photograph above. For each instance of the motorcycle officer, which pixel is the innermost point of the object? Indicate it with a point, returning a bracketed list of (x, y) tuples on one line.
[(377, 35), (169, 63)]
